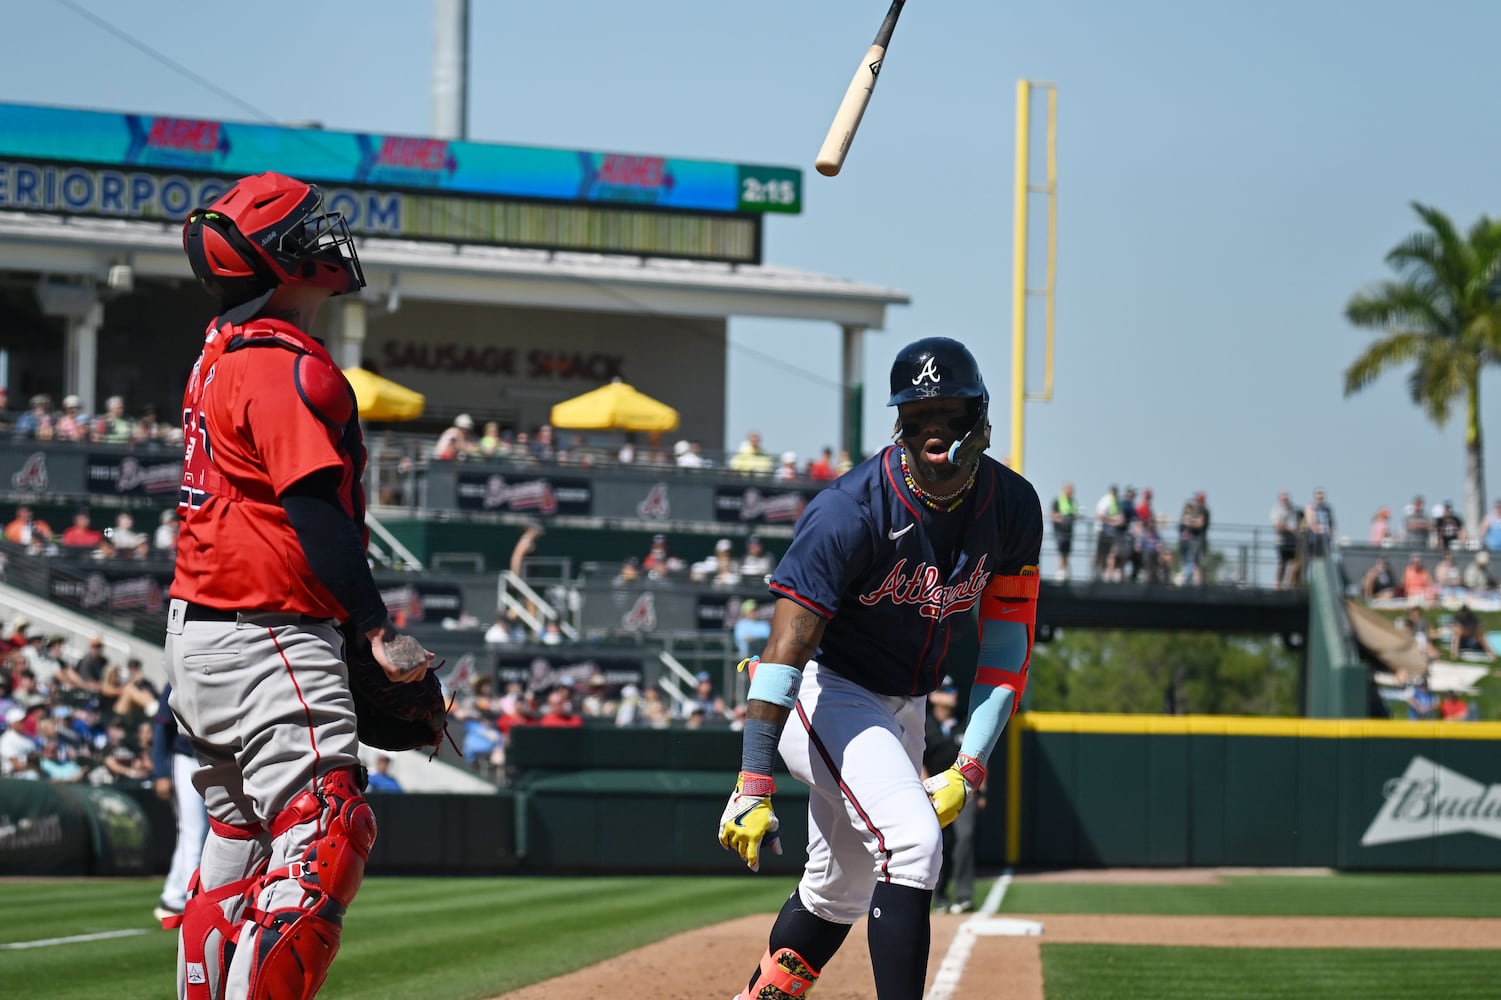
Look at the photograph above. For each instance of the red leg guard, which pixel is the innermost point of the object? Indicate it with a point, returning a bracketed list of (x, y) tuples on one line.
[(782, 976), (295, 945)]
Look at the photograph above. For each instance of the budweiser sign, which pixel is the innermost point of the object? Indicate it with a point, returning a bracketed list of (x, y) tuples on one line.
[(1430, 800)]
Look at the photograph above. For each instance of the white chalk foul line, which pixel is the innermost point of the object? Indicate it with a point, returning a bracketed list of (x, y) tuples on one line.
[(75, 939), (946, 980)]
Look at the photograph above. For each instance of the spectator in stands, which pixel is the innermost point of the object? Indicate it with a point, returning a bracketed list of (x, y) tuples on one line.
[(1379, 583), (1454, 707), (1193, 530), (491, 443), (659, 563), (1381, 526), (1490, 529), (719, 567), (1318, 522), (81, 534), (15, 745), (845, 463), (1144, 509), (379, 779), (1417, 582), (750, 459), (1420, 703), (821, 469), (596, 702), (1127, 559), (127, 541), (38, 423), (758, 563), (751, 629), (113, 426), (552, 633), (1286, 519), (560, 713), (1448, 528), (1468, 635), (476, 713), (457, 441), (630, 571), (1109, 520), (499, 632), (786, 470), (74, 423), (653, 710), (689, 455), (149, 431), (1477, 575), (1417, 529), (46, 662), (137, 697), (543, 447), (27, 530), (1446, 575), (1063, 514), (164, 538), (92, 665), (1156, 555), (58, 760)]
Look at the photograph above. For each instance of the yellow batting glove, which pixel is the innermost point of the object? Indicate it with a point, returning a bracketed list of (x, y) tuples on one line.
[(748, 820), (951, 791)]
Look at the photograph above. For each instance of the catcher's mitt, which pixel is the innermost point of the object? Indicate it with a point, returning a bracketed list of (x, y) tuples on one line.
[(393, 716)]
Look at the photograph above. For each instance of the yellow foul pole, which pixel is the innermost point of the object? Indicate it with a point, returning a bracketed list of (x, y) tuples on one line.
[(1019, 273)]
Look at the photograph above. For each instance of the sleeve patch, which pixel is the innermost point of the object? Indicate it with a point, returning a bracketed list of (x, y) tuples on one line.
[(324, 389)]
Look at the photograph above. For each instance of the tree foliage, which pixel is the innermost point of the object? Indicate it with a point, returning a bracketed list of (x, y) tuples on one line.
[(1441, 318), (1132, 671)]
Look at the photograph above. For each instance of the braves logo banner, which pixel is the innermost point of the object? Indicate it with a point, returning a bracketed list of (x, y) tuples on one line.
[(532, 495), (538, 673), (129, 475), (752, 506)]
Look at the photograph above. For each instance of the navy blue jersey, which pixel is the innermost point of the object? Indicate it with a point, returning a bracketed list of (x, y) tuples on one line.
[(863, 558)]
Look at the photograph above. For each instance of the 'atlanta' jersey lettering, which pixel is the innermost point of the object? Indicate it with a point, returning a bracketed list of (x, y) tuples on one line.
[(863, 558)]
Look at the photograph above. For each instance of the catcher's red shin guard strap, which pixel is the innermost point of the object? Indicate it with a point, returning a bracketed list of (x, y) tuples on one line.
[(295, 945), (205, 964), (783, 975)]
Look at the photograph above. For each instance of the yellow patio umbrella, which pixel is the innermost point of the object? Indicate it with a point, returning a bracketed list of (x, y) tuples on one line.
[(617, 406), (381, 399)]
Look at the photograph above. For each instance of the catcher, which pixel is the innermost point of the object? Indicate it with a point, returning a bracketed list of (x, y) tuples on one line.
[(270, 562)]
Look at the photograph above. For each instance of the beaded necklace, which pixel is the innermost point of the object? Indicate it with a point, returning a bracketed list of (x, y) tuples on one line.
[(942, 504)]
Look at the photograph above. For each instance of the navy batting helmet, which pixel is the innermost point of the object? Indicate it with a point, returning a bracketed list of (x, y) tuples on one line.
[(266, 231), (943, 368)]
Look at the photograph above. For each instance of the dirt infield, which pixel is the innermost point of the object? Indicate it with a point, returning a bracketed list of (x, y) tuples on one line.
[(718, 959)]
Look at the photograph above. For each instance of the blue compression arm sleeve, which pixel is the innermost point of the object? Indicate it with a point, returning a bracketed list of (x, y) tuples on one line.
[(1004, 646)]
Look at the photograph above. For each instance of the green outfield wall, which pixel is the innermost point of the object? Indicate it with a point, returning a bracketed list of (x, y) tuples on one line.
[(1066, 791), (1101, 790)]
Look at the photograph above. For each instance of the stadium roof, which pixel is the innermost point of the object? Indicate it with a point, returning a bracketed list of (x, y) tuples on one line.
[(484, 275)]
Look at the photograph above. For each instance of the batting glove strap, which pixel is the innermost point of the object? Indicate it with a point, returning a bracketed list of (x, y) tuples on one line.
[(973, 770), (754, 784)]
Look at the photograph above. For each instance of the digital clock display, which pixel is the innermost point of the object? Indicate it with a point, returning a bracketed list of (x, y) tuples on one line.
[(771, 189)]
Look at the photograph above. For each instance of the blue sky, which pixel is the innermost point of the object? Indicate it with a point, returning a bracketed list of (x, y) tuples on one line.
[(1228, 176)]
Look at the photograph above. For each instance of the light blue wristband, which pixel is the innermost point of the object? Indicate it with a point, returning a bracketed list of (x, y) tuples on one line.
[(776, 683)]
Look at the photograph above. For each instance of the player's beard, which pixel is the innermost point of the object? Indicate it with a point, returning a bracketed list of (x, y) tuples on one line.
[(927, 458)]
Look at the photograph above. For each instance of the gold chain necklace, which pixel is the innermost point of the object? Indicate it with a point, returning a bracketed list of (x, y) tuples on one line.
[(942, 504)]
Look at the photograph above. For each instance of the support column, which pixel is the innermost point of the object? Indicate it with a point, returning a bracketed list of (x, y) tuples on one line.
[(852, 377), (353, 316), (77, 304)]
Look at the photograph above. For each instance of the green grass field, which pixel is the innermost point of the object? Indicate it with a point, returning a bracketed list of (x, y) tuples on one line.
[(446, 939)]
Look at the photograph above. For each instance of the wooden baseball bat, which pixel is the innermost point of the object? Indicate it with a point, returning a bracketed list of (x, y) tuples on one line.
[(847, 119)]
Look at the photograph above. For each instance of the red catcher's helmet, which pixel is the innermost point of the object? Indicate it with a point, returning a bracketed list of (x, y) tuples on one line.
[(266, 231)]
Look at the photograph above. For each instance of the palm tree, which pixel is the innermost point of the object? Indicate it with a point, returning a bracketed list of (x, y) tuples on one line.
[(1443, 316)]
